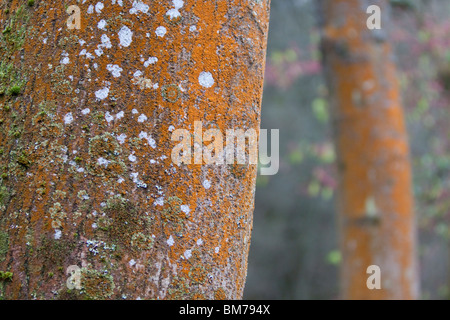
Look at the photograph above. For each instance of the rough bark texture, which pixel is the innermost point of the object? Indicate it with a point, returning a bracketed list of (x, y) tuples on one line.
[(375, 200), (87, 176)]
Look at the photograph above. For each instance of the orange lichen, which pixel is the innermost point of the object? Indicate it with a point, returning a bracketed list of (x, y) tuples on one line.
[(375, 200)]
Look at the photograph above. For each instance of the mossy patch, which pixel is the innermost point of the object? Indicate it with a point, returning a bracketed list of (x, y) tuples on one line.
[(14, 30), (105, 160), (172, 217), (4, 245), (55, 252), (6, 276), (24, 160), (11, 79), (57, 215), (4, 196), (59, 81), (125, 226), (96, 285)]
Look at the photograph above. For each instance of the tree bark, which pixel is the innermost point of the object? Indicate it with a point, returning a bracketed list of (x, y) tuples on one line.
[(87, 116), (375, 202)]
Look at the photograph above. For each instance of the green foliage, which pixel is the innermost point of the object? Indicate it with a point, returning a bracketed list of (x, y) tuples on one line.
[(334, 257), (320, 109)]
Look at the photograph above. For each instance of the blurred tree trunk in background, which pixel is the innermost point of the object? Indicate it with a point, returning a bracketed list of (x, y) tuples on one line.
[(375, 202), (87, 183)]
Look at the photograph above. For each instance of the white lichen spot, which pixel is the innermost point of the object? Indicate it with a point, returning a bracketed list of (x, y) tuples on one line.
[(139, 6), (199, 242), (170, 241), (98, 52), (132, 262), (206, 79), (102, 162), (85, 111), (106, 42), (151, 60), (108, 117), (102, 93), (188, 254), (120, 115), (125, 36), (101, 24), (132, 158), (206, 184), (174, 12), (68, 118), (150, 140), (99, 7), (171, 128), (58, 234), (142, 118), (159, 201), (65, 60), (192, 28), (90, 9), (134, 111), (94, 226), (114, 69), (185, 209), (161, 31), (216, 249), (121, 138), (120, 180)]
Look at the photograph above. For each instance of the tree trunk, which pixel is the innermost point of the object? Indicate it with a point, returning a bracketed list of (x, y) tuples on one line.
[(92, 205), (375, 202)]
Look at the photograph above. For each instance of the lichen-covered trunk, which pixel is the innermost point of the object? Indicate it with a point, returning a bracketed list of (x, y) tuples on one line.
[(92, 205), (375, 202)]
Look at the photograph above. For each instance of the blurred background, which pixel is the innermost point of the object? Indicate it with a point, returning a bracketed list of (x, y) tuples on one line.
[(294, 251)]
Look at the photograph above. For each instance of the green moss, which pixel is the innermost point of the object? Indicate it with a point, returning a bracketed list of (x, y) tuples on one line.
[(4, 196), (105, 146), (30, 3), (141, 241), (23, 160), (68, 42), (4, 245), (96, 285), (6, 276), (14, 90), (124, 220), (54, 252), (172, 216), (11, 80), (57, 214), (178, 289), (59, 82), (15, 30)]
